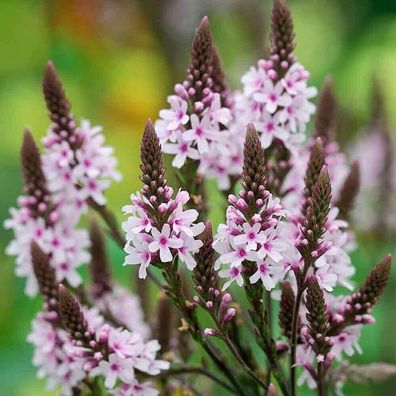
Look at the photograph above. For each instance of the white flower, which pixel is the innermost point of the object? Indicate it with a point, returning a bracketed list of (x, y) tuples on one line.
[(182, 150), (273, 96), (234, 274), (201, 132), (177, 114), (113, 369), (272, 246), (264, 274), (251, 236), (138, 253), (164, 241)]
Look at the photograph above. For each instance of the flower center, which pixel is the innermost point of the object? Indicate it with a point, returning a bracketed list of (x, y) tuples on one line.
[(234, 272)]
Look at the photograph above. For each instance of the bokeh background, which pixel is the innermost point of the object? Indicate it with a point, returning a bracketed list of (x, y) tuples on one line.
[(120, 58)]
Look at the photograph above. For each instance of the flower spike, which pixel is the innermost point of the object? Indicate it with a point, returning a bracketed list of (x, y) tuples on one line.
[(204, 274), (152, 166), (45, 276), (35, 182), (71, 314), (317, 317), (282, 38), (370, 291), (99, 265), (287, 303), (253, 174), (326, 113), (349, 191), (57, 103)]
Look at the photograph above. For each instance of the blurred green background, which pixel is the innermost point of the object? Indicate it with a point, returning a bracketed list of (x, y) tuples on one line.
[(119, 59)]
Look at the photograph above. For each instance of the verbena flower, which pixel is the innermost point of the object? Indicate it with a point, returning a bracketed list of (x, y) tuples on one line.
[(195, 127), (158, 228), (103, 350), (77, 164), (276, 96), (49, 223), (253, 229)]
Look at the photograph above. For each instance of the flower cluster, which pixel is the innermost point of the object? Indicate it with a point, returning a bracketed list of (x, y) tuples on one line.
[(76, 162), (345, 317), (50, 225), (286, 233), (158, 228), (275, 96), (279, 109), (253, 231), (74, 167), (66, 358), (79, 173), (195, 127)]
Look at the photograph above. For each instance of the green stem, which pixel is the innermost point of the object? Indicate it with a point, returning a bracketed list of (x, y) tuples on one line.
[(320, 383), (195, 370), (294, 332), (242, 363), (254, 294)]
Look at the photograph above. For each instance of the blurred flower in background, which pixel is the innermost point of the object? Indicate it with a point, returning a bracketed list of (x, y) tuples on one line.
[(120, 59)]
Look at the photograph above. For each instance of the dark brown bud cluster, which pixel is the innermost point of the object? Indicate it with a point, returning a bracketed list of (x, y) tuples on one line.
[(204, 274), (99, 265), (253, 172), (359, 305), (45, 276), (315, 165), (318, 319), (282, 38), (153, 170), (326, 113), (220, 84), (58, 105), (204, 74), (349, 192), (313, 227), (72, 316), (287, 303), (35, 183)]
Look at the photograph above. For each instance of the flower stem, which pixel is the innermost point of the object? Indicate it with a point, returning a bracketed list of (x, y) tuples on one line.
[(320, 383), (300, 277), (242, 363), (196, 370)]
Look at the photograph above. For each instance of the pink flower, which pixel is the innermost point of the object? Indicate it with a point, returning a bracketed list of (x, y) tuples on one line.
[(217, 113), (177, 114), (272, 246), (163, 241), (113, 369), (234, 274), (251, 236), (139, 254), (201, 132), (237, 256), (273, 96), (190, 245), (182, 150), (270, 128), (263, 273)]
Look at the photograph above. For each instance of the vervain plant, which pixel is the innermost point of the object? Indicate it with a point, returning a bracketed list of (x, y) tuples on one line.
[(284, 241)]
